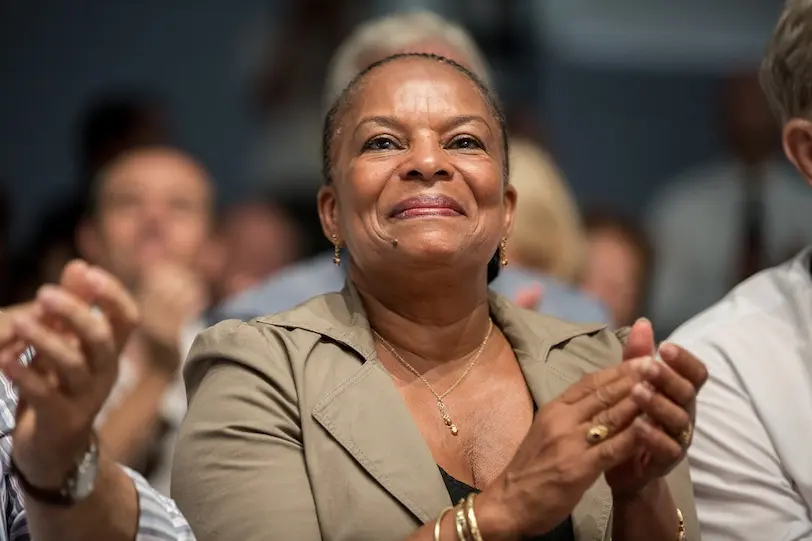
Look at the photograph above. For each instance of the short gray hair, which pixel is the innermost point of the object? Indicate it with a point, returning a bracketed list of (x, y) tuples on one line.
[(384, 36), (786, 71)]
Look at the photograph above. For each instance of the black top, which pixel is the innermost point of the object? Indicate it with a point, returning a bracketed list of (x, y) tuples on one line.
[(459, 491)]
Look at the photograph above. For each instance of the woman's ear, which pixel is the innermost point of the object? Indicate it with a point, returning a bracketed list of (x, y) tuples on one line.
[(797, 141), (328, 212), (510, 196)]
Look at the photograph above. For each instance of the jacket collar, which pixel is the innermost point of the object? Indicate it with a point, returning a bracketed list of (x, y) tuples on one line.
[(367, 416)]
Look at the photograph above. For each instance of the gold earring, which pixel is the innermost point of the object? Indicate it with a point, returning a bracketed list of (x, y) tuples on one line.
[(503, 252), (337, 252)]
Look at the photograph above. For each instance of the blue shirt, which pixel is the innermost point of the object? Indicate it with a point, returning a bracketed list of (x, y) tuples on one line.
[(320, 275)]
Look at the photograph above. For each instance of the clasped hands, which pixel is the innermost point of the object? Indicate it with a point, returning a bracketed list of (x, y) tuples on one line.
[(76, 364), (631, 423)]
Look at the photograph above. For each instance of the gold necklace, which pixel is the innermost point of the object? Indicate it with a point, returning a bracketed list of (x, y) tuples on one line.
[(440, 404)]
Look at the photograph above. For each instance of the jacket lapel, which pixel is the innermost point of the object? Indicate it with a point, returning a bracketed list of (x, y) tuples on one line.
[(368, 417), (532, 347)]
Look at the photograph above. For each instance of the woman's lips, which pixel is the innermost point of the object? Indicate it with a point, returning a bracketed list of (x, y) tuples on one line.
[(427, 205), (418, 212)]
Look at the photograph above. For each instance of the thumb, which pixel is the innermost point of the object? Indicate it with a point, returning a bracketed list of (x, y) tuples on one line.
[(640, 342), (74, 281), (530, 297)]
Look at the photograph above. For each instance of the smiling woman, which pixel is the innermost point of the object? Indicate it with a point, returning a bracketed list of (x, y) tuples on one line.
[(367, 414), (466, 139)]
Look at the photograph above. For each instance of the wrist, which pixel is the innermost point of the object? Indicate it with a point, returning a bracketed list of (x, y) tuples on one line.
[(650, 492), (61, 481), (651, 509), (495, 519)]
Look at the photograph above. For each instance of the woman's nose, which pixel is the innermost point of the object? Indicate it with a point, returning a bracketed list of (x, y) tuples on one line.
[(427, 161)]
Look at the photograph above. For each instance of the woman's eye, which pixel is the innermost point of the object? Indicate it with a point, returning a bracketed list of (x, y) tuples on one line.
[(381, 143), (465, 142)]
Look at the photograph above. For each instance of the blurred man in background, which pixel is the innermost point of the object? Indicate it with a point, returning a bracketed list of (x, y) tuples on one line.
[(374, 40), (723, 221), (618, 266), (149, 225), (114, 122)]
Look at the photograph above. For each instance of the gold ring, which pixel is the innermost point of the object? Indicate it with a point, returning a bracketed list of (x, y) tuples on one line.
[(686, 435), (596, 434)]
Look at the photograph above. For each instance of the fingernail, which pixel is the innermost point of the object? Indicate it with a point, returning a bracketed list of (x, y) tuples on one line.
[(642, 391), (647, 366), (47, 295), (642, 424), (668, 351), (96, 278), (643, 320)]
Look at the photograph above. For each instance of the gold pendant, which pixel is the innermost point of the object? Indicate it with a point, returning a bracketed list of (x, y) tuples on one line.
[(446, 419)]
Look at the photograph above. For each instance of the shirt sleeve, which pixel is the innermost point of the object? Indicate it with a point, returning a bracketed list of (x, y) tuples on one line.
[(159, 518), (741, 489)]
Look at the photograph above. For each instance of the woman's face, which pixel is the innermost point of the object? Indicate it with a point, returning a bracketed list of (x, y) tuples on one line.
[(417, 171)]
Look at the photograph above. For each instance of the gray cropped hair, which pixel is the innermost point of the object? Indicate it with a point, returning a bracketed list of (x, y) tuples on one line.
[(786, 72), (381, 37)]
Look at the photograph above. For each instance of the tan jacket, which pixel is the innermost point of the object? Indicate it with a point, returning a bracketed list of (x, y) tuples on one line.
[(296, 432)]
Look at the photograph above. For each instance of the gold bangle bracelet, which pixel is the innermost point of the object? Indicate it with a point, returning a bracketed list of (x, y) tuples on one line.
[(440, 517), (473, 526), (459, 523), (681, 530)]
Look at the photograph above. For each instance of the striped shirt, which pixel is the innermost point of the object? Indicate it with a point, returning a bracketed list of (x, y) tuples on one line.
[(159, 520)]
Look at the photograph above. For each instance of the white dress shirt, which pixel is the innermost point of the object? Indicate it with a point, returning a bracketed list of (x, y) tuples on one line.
[(751, 460), (697, 227)]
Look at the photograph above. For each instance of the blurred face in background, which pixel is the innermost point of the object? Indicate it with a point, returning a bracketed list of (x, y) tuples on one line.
[(614, 274), (255, 241), (153, 206)]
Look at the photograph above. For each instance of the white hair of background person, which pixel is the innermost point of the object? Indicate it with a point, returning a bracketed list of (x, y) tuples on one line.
[(382, 36), (548, 234)]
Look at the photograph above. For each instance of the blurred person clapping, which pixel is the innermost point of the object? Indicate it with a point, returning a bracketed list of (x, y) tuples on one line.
[(61, 354), (150, 224)]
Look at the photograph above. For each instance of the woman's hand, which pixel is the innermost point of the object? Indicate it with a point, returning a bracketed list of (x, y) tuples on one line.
[(556, 463), (664, 432), (74, 368)]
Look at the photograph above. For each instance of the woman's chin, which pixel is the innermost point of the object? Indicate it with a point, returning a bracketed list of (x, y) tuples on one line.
[(434, 253)]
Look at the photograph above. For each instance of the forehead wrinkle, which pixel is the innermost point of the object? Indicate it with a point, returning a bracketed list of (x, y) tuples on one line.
[(428, 100)]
